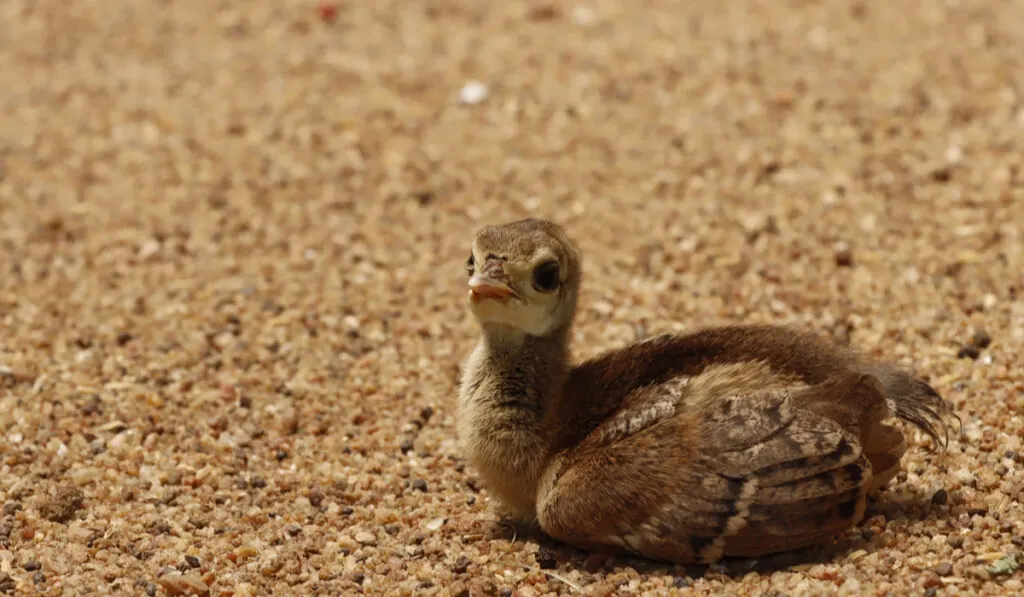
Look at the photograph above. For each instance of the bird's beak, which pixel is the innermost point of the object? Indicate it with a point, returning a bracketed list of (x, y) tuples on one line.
[(484, 285), (490, 282)]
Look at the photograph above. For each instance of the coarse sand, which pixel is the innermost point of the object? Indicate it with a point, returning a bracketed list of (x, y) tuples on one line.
[(232, 238)]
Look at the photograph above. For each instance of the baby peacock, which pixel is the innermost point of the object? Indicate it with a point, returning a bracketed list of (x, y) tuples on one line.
[(741, 440)]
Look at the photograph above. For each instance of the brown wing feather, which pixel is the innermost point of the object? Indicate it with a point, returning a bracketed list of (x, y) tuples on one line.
[(744, 440), (760, 475)]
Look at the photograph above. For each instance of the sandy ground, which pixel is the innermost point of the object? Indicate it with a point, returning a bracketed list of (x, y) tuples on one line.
[(231, 280)]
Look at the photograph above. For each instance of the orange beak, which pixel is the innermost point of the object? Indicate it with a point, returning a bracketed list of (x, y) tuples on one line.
[(483, 286)]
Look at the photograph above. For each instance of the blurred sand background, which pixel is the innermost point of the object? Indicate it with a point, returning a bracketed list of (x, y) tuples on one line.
[(231, 282)]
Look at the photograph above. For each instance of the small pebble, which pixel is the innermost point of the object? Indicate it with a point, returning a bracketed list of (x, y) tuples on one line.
[(968, 351), (582, 15), (547, 559), (461, 565), (843, 254), (940, 497), (419, 485), (943, 568), (63, 505), (366, 538), (473, 92)]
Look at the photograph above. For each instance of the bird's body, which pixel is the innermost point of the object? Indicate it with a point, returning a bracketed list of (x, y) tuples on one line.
[(734, 441)]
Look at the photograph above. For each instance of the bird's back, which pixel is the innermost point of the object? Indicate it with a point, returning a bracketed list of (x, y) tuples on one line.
[(780, 435)]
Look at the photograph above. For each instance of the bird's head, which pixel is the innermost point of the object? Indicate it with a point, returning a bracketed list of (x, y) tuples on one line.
[(524, 277)]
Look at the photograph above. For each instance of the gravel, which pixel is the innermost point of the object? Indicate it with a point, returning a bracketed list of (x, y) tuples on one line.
[(231, 284)]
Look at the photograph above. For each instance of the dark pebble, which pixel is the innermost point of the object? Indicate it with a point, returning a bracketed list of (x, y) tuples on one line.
[(11, 507), (461, 565), (977, 511), (406, 446), (316, 498), (392, 529), (7, 583), (281, 455), (981, 339), (505, 592), (419, 485), (258, 482), (681, 583), (471, 500), (39, 578), (32, 565), (62, 508), (151, 590), (943, 568), (968, 352), (192, 561), (358, 578), (1018, 540), (843, 254), (347, 511), (547, 559), (955, 541), (931, 592), (943, 174), (940, 497)]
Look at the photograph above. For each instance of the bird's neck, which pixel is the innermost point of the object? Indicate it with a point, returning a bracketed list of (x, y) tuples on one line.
[(527, 371), (506, 412)]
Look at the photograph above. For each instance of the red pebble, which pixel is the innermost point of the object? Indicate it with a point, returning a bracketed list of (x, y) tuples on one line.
[(328, 12)]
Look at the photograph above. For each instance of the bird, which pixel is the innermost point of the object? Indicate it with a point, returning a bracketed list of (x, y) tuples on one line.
[(741, 440)]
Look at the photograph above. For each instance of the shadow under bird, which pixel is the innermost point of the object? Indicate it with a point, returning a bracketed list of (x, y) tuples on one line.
[(742, 440)]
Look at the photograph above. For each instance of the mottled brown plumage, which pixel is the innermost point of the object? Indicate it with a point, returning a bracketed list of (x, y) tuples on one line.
[(741, 440)]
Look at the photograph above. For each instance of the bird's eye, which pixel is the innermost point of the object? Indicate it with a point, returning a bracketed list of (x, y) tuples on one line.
[(470, 264), (545, 276)]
